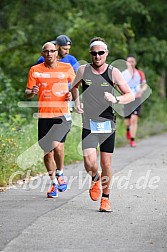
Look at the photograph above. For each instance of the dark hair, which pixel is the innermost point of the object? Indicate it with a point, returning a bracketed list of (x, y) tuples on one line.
[(97, 39), (131, 56)]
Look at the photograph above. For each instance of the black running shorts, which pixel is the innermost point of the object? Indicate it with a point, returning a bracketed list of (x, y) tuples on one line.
[(105, 140), (52, 129), (132, 108)]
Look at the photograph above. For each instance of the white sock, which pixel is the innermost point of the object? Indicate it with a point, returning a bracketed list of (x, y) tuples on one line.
[(59, 172), (54, 181)]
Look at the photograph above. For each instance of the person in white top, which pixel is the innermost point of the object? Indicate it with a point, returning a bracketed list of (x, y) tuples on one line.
[(137, 83)]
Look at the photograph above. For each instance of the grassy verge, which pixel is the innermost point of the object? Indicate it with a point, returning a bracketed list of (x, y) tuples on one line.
[(20, 152)]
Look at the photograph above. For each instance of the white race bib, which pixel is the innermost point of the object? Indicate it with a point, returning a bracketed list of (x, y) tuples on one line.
[(101, 127)]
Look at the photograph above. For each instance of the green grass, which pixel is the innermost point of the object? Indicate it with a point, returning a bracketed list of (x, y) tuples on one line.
[(73, 142)]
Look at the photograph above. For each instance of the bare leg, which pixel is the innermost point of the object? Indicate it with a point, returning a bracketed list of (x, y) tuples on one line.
[(59, 161), (127, 122), (59, 155), (90, 161), (50, 164), (133, 127), (54, 159), (106, 175)]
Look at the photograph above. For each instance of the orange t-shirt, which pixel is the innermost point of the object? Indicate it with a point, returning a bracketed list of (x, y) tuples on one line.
[(53, 85)]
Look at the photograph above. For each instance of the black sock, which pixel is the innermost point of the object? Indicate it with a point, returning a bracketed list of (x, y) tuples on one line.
[(105, 195), (96, 177), (132, 139)]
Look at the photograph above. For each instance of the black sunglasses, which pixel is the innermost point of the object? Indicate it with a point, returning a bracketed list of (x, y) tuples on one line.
[(99, 53), (47, 51)]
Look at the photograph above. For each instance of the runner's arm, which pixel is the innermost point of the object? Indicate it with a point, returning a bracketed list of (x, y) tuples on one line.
[(75, 89), (126, 93), (31, 92)]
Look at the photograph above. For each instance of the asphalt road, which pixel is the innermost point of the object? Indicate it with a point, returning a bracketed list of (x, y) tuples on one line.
[(31, 222)]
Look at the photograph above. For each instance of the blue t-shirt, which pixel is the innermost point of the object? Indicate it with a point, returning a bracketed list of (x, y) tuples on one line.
[(67, 59)]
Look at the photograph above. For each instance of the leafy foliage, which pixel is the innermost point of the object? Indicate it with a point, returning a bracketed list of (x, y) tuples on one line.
[(136, 27), (128, 26)]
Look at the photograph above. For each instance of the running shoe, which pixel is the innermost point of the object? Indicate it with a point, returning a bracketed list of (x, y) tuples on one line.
[(95, 190), (62, 184), (132, 143), (128, 136), (52, 193), (105, 205)]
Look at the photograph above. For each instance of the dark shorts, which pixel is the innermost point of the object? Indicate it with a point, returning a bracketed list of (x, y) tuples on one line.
[(132, 108), (91, 140), (52, 129)]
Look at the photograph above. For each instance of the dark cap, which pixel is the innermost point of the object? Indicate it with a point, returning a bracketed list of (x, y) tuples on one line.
[(62, 40)]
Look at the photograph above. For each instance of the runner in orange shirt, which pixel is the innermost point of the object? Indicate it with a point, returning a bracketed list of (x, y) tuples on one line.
[(49, 81)]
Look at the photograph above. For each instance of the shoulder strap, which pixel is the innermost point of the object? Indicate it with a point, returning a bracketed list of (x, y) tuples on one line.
[(110, 67), (142, 76)]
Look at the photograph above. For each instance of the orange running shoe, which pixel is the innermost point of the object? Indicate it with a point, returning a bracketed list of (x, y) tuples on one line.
[(52, 193), (105, 205), (95, 190)]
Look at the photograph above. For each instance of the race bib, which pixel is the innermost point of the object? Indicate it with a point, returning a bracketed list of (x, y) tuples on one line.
[(101, 127)]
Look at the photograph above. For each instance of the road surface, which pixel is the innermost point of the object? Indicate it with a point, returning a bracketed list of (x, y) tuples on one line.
[(138, 221)]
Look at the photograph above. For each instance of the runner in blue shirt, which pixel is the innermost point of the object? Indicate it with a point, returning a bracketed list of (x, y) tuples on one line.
[(64, 43)]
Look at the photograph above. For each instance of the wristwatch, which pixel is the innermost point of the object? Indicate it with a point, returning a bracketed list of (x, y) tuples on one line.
[(117, 99)]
